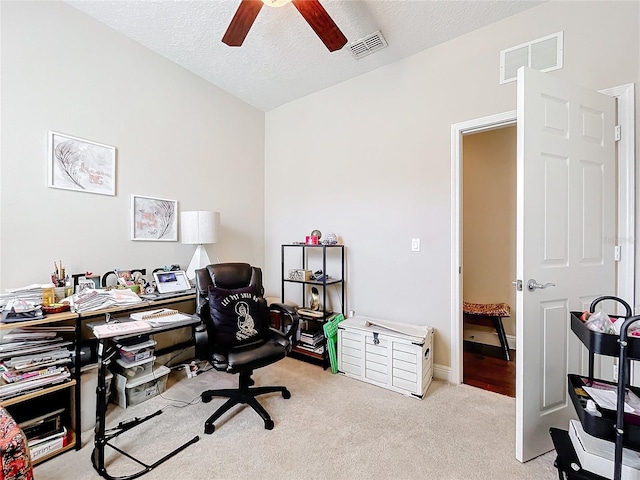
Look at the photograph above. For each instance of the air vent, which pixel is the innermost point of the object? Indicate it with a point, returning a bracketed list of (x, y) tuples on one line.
[(367, 45), (543, 54)]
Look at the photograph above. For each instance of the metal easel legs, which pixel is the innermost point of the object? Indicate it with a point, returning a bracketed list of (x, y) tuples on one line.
[(102, 437)]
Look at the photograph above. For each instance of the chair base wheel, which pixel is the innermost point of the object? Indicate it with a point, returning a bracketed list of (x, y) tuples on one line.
[(209, 429), (206, 399), (286, 394), (268, 424)]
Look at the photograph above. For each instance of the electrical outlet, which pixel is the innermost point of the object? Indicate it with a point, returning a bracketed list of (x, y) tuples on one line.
[(415, 244)]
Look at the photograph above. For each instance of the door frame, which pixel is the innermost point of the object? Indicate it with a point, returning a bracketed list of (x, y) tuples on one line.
[(625, 213)]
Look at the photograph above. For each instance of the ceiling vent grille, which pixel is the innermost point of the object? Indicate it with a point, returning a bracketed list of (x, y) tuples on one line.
[(543, 54), (367, 45)]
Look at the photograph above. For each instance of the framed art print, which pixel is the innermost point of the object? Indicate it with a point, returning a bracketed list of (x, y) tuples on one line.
[(81, 165), (154, 219)]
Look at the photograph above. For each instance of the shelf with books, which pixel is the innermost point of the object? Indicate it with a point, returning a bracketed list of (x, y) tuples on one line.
[(37, 373), (312, 287)]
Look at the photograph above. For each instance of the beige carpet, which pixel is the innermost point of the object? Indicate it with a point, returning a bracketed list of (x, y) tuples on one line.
[(332, 427)]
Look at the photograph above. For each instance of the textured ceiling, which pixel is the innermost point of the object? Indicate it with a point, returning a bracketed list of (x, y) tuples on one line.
[(282, 59)]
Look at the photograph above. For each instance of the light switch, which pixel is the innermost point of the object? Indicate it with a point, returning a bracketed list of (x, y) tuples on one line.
[(415, 244)]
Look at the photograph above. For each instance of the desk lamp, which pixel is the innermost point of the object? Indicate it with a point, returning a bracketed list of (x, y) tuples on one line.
[(199, 228)]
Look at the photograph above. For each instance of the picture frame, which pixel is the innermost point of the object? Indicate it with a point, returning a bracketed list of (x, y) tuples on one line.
[(81, 165), (154, 219), (85, 284)]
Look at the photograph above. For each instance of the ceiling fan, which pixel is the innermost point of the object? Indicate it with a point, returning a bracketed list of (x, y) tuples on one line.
[(314, 13)]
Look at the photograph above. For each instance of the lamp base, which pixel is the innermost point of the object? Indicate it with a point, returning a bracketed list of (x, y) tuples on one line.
[(200, 260)]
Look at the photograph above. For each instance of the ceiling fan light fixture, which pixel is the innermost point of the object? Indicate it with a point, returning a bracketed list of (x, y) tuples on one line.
[(276, 3)]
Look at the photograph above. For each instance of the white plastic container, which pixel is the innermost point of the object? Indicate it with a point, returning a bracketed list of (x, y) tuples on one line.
[(137, 352), (131, 392), (133, 370)]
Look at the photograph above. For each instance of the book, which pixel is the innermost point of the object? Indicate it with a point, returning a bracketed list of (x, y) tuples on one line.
[(13, 389), (113, 329), (14, 376)]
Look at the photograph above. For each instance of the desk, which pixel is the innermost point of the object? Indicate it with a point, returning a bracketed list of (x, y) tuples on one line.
[(185, 303), (106, 351)]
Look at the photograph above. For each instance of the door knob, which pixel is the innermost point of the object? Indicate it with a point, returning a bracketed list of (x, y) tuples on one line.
[(532, 285)]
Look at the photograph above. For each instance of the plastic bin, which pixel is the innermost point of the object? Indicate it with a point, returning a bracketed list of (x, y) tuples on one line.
[(133, 370), (138, 351), (131, 392)]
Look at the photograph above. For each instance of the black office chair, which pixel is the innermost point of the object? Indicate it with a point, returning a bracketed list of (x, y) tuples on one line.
[(236, 335)]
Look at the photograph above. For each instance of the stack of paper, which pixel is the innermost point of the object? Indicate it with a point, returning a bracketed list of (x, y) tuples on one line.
[(91, 300), (31, 293), (31, 360)]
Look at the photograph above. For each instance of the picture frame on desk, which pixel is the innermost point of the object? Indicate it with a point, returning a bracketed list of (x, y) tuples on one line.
[(85, 284), (154, 219), (81, 165)]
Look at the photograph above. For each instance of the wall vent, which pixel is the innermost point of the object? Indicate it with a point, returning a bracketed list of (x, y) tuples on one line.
[(367, 45), (543, 54)]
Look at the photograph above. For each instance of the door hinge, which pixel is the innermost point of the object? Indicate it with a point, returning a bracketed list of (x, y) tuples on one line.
[(616, 253), (617, 133)]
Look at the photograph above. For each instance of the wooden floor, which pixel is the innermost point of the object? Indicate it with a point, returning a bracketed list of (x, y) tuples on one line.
[(485, 367)]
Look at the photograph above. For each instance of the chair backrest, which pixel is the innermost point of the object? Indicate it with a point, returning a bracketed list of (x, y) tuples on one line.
[(225, 275), (231, 276)]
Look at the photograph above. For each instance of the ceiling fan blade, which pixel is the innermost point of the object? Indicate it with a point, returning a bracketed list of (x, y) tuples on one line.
[(242, 22), (318, 19)]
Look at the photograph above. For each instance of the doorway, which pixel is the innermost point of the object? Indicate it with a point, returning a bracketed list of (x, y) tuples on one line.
[(626, 267), (624, 253), (488, 225)]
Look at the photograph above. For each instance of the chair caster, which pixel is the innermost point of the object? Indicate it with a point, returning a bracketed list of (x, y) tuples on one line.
[(286, 394), (206, 398), (209, 429), (268, 424)]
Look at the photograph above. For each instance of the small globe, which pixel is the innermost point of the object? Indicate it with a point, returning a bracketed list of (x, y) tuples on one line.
[(316, 233)]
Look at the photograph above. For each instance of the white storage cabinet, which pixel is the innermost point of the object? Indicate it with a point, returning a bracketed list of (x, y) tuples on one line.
[(395, 356)]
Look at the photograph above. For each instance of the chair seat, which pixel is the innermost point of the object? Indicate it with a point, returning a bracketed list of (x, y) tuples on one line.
[(249, 359), (487, 309)]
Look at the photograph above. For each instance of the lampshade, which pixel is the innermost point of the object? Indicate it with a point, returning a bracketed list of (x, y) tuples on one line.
[(199, 227)]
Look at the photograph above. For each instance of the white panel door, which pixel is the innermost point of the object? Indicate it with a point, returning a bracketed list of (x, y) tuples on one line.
[(565, 232)]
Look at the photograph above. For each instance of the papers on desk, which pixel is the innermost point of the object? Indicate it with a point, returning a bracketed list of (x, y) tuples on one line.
[(30, 293), (99, 299)]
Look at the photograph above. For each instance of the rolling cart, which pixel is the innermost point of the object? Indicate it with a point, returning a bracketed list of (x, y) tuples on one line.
[(616, 426)]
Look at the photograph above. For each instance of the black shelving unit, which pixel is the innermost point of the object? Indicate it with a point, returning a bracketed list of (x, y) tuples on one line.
[(304, 262), (615, 426)]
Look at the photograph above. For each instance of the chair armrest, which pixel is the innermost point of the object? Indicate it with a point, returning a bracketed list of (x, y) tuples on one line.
[(289, 312)]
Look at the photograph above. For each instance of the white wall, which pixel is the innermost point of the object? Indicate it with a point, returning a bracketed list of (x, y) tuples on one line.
[(370, 158), (177, 137)]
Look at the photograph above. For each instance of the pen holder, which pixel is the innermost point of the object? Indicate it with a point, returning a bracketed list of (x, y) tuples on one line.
[(62, 292)]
